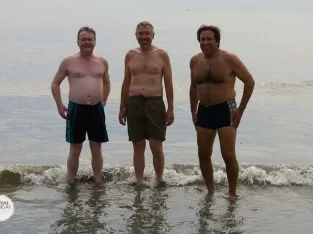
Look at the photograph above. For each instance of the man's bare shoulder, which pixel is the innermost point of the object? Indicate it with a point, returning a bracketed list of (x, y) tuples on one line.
[(67, 60), (227, 54), (101, 59), (195, 58), (70, 58), (73, 56), (131, 53), (162, 53), (231, 58)]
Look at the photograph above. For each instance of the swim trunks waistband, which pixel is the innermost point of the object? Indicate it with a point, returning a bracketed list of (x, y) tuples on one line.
[(145, 97), (217, 104), (86, 104)]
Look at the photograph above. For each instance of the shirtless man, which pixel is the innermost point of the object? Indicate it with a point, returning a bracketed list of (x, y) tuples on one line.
[(89, 88), (213, 106), (142, 105)]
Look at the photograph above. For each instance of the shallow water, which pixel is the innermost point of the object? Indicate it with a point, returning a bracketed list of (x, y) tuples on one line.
[(271, 200)]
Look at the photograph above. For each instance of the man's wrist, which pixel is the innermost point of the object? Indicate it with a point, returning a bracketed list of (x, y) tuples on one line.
[(170, 106), (59, 105)]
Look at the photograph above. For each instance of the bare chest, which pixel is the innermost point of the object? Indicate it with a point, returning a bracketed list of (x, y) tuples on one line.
[(151, 65), (82, 70), (215, 72)]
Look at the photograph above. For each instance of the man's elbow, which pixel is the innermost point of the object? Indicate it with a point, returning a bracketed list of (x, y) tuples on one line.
[(168, 82), (54, 85), (250, 83)]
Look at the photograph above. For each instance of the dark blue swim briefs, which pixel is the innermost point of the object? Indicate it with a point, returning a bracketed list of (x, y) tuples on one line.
[(216, 116)]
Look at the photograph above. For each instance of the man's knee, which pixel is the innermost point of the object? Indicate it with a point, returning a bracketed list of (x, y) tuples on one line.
[(229, 157), (205, 151), (95, 148), (139, 146), (75, 150), (156, 146), (204, 158)]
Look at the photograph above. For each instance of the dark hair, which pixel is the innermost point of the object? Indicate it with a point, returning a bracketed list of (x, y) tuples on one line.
[(145, 23), (214, 29), (87, 29)]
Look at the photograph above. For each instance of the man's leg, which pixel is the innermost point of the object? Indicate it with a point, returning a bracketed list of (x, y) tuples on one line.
[(156, 147), (227, 137), (73, 161), (97, 134), (75, 135), (205, 141), (156, 132), (136, 132), (139, 159), (96, 160)]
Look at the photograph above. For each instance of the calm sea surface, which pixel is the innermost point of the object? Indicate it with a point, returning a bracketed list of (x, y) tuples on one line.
[(274, 145)]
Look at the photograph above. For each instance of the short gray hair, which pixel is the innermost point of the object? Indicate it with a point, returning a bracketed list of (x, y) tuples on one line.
[(86, 29), (144, 24)]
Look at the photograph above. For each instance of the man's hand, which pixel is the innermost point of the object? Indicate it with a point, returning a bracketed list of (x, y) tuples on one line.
[(194, 119), (170, 117), (122, 117), (63, 111), (237, 117)]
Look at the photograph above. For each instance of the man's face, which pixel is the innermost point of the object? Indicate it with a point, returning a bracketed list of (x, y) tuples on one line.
[(144, 35), (207, 42), (86, 41)]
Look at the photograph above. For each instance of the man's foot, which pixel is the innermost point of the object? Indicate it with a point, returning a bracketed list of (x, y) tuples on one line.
[(97, 183), (72, 183), (139, 186), (97, 180), (139, 182), (210, 192), (136, 183), (231, 197), (72, 180), (161, 184), (159, 180)]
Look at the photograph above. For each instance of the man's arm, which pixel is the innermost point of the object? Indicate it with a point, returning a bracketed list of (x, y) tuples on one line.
[(240, 70), (193, 94), (168, 81), (56, 82), (106, 86), (126, 81)]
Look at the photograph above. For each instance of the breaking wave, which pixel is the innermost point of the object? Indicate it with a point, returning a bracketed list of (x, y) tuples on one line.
[(176, 175)]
